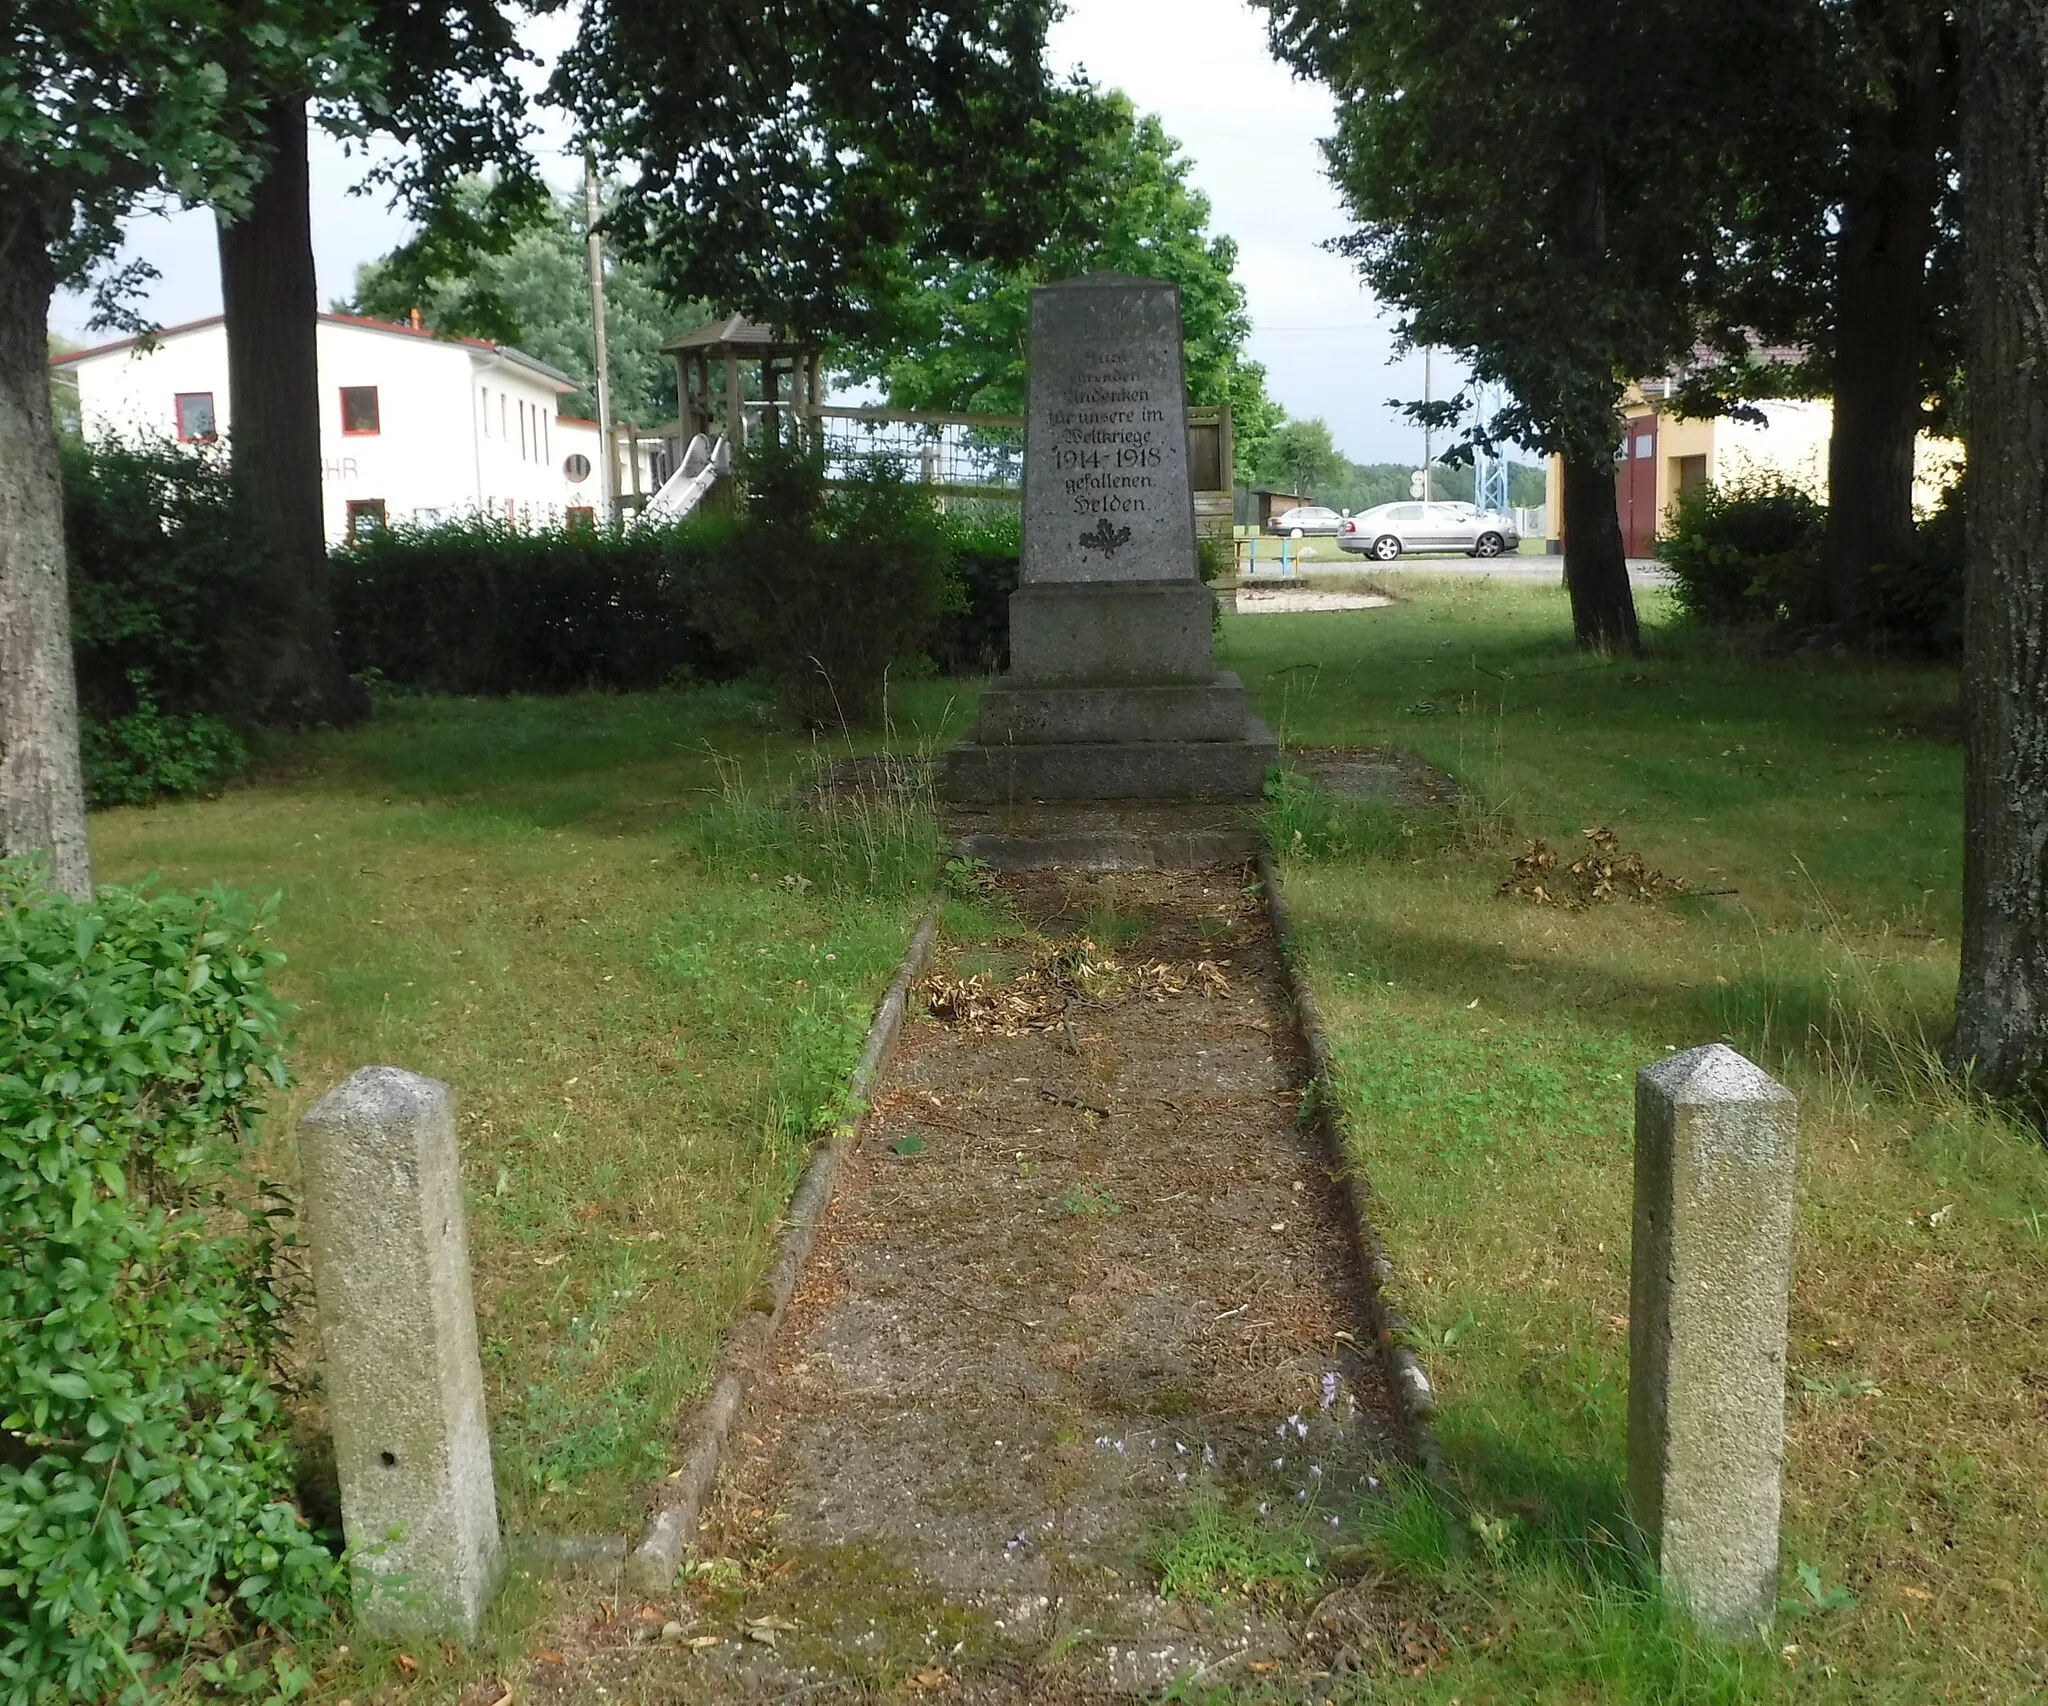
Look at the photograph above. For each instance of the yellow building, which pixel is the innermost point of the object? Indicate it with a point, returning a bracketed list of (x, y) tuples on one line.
[(1664, 454)]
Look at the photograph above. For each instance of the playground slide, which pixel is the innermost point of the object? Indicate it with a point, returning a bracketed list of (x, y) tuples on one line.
[(700, 469)]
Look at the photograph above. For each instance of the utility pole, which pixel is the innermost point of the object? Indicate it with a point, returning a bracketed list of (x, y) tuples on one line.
[(1428, 437), (608, 458)]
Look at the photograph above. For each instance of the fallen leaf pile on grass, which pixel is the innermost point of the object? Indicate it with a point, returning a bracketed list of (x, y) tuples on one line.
[(1603, 873)]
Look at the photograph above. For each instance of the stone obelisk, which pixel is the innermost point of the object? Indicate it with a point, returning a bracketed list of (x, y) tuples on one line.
[(1112, 691)]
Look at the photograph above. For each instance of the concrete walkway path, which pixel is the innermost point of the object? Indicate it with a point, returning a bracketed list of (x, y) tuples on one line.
[(1085, 1288)]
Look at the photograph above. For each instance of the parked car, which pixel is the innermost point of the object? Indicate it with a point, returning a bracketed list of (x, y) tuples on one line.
[(1309, 518), (1386, 532)]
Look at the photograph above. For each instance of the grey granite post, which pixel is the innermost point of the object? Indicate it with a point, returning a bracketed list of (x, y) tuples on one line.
[(383, 1207), (1710, 1265)]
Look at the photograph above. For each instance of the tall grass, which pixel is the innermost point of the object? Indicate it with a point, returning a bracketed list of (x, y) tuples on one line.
[(861, 825)]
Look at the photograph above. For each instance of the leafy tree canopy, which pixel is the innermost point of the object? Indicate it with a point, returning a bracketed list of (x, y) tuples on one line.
[(101, 105), (452, 99), (1539, 185), (785, 157), (535, 295), (960, 325), (1301, 457)]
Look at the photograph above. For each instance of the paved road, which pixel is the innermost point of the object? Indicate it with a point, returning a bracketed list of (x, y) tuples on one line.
[(1642, 571)]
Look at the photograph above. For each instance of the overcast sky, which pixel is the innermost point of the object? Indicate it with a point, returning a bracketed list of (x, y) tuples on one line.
[(1248, 127)]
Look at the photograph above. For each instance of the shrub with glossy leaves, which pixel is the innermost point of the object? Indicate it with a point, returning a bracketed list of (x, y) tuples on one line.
[(1746, 552), (1749, 555), (146, 1515), (831, 586), (973, 638)]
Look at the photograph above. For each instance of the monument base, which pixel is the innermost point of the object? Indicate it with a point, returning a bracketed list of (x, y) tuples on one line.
[(1091, 633), (1014, 772), (1104, 835), (1021, 713)]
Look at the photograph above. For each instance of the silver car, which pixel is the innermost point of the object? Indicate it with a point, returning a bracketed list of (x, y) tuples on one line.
[(1308, 518), (1385, 533)]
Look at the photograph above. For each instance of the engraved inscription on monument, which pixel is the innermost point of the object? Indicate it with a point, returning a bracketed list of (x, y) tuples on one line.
[(1106, 494)]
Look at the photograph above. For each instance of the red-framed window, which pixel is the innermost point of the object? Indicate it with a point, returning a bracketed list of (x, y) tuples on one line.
[(365, 516), (581, 518), (195, 417), (359, 413)]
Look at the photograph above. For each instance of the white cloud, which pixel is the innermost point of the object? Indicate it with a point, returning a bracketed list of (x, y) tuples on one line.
[(1253, 133)]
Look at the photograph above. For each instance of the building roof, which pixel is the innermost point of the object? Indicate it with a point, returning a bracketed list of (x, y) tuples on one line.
[(735, 332), (504, 352), (621, 430)]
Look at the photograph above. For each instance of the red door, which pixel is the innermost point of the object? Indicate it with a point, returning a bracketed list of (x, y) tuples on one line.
[(1635, 487)]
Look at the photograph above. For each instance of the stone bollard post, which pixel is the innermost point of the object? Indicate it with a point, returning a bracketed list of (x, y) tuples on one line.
[(405, 1387), (1709, 1268)]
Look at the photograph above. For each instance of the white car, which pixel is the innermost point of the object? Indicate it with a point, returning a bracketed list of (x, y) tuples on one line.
[(1386, 532), (1308, 518)]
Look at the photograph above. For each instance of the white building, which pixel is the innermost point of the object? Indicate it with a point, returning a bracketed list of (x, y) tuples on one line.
[(413, 427)]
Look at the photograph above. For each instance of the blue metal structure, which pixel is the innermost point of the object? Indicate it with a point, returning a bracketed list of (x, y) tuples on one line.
[(1490, 470)]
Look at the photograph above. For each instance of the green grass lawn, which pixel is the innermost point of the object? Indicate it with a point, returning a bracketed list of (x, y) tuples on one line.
[(1488, 1047), (554, 906), (646, 986)]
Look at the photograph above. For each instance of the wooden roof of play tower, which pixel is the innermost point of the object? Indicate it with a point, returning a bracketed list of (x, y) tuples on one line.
[(735, 335)]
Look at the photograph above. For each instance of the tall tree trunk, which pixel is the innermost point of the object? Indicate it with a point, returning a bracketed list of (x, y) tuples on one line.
[(1881, 257), (1595, 560), (42, 796), (2001, 1035), (1595, 564), (271, 303)]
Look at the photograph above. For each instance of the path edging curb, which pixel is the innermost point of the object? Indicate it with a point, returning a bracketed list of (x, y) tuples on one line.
[(1391, 1326), (651, 1567)]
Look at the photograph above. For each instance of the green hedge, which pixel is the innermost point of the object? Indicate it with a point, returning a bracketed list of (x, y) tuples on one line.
[(146, 1520), (817, 590), (478, 606)]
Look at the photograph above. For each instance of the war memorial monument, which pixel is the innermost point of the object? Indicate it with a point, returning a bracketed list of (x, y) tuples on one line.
[(1112, 691)]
